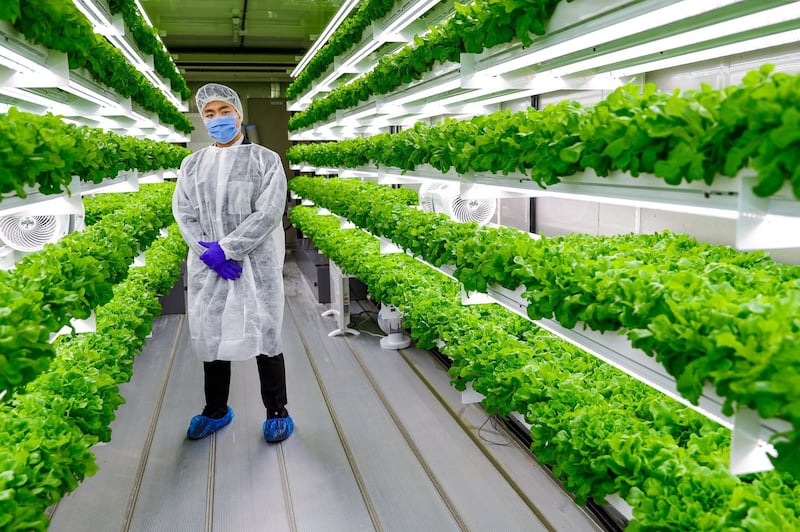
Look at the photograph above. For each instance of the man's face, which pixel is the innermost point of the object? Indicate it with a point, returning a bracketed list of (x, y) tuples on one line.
[(216, 108)]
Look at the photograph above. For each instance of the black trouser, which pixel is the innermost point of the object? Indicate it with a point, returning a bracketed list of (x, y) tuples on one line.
[(271, 372)]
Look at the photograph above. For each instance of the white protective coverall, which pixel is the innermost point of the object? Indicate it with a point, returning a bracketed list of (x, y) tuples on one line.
[(234, 196)]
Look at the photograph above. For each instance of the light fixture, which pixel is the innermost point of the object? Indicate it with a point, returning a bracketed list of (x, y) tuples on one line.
[(101, 20), (161, 85), (90, 91), (760, 43), (708, 33), (36, 99), (353, 118), (467, 95), (335, 22), (437, 86), (358, 56), (143, 13), (405, 17), (131, 54), (104, 24), (567, 42), (150, 23), (19, 55)]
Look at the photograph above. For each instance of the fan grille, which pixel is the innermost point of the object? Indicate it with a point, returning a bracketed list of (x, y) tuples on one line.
[(472, 210), (29, 233), (425, 197), (390, 319)]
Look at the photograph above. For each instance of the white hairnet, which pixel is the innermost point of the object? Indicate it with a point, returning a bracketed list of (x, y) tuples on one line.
[(214, 92)]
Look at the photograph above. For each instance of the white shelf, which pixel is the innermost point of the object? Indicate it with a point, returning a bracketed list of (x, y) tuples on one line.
[(326, 171), (624, 38), (593, 45), (762, 223), (113, 28), (98, 13), (366, 172), (125, 181), (107, 102), (411, 18), (24, 64), (68, 202), (83, 102), (156, 177)]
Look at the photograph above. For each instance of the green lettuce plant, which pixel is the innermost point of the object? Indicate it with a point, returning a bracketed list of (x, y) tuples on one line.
[(342, 40), (682, 136), (45, 152), (599, 430), (59, 25), (147, 40), (70, 278), (46, 433), (475, 26), (706, 313)]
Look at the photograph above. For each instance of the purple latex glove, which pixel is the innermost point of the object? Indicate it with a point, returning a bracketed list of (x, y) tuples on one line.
[(229, 270), (214, 257)]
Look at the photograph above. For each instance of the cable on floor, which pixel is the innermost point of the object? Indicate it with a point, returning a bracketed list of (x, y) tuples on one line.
[(364, 331), (494, 426)]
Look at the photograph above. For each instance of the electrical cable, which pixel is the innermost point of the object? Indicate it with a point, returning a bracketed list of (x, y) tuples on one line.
[(370, 333), (494, 426)]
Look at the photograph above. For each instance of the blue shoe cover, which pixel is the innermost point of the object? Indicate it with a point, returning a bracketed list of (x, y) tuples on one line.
[(278, 429), (202, 426)]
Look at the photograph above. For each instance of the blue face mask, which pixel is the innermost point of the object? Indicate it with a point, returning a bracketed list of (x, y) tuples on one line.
[(222, 128)]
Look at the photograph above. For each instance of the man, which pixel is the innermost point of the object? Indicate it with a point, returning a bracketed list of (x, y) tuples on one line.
[(229, 203)]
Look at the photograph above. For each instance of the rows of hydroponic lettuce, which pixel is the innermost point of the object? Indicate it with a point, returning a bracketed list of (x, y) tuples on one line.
[(60, 26), (58, 394), (706, 313), (691, 135), (149, 42), (599, 430), (44, 153), (344, 38), (48, 426), (473, 27), (69, 278)]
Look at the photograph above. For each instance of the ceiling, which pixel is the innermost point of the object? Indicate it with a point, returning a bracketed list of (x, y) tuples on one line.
[(239, 40)]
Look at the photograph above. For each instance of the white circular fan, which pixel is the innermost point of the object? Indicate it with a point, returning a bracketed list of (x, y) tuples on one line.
[(444, 197), (28, 233), (390, 320), (6, 257), (425, 194), (472, 210)]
